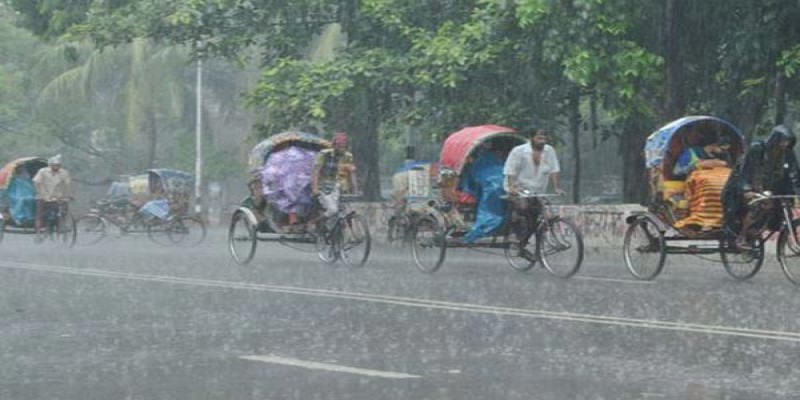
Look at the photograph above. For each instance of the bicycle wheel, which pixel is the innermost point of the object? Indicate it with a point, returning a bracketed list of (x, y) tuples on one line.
[(186, 231), (644, 249), (396, 229), (158, 232), (242, 239), (356, 241), (560, 247), (428, 244), (789, 252), (66, 232), (327, 246), (742, 264), (521, 256), (91, 229)]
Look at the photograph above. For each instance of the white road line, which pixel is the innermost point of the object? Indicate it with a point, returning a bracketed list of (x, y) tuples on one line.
[(423, 303), (597, 278), (273, 359)]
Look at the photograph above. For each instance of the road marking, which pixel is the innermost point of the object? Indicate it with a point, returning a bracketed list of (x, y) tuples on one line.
[(597, 278), (273, 359), (423, 303)]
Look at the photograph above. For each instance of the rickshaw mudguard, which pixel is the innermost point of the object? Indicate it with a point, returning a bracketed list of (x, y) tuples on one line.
[(249, 214), (639, 215)]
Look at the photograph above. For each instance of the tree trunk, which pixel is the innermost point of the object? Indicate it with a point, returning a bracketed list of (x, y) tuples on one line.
[(152, 138), (363, 119), (674, 101), (575, 131), (780, 98), (365, 147), (593, 125), (631, 147)]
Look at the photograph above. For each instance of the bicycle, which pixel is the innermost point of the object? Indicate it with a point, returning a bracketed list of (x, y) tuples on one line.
[(788, 230), (59, 226), (526, 238), (542, 236), (180, 230), (340, 236)]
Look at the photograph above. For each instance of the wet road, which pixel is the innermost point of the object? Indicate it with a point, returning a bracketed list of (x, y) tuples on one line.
[(128, 319)]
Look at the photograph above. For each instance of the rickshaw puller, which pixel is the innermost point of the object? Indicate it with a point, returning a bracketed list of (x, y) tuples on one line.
[(326, 184), (769, 165), (53, 187), (531, 167)]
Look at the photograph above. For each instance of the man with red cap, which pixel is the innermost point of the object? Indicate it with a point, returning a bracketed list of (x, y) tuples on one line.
[(334, 173)]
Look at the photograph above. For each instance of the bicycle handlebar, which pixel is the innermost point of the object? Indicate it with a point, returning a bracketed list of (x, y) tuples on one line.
[(768, 196)]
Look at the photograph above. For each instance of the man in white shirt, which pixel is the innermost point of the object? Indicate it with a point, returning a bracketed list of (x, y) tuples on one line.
[(53, 187), (531, 166)]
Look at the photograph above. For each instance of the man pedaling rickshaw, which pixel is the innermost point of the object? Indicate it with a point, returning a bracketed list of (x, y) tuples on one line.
[(530, 167), (334, 173), (768, 166), (53, 189)]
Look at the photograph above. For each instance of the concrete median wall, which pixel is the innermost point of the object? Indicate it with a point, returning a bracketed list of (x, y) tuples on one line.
[(600, 224)]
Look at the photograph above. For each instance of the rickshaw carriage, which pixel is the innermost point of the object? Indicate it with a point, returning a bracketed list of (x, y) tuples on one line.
[(175, 186), (663, 228), (413, 185), (524, 237), (156, 203), (280, 169), (18, 203)]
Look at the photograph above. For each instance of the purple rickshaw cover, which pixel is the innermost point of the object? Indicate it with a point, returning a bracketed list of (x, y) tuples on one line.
[(286, 179)]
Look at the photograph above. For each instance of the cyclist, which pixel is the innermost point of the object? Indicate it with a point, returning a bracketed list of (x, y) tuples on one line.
[(769, 165), (531, 167), (53, 189), (334, 172)]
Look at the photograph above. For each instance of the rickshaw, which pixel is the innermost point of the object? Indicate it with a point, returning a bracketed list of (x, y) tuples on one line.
[(413, 185), (525, 237), (652, 234), (18, 204), (156, 203), (280, 169)]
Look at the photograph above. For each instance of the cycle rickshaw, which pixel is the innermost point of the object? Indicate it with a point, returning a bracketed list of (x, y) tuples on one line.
[(653, 234), (413, 185), (18, 204), (529, 233), (280, 170), (156, 203)]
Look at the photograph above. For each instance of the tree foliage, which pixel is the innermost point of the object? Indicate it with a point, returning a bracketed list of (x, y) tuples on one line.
[(374, 66)]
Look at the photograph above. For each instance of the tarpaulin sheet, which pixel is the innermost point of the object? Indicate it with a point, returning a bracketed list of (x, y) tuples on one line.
[(483, 179), (286, 179)]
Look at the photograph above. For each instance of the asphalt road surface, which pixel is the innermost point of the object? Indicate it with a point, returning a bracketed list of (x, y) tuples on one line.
[(128, 319)]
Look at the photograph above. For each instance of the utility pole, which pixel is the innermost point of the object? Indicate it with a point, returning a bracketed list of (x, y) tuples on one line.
[(198, 130)]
